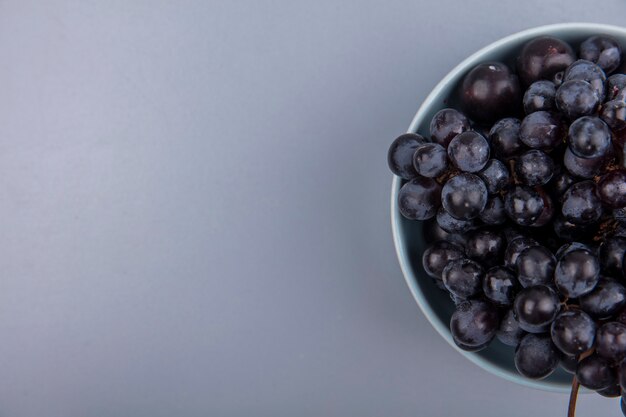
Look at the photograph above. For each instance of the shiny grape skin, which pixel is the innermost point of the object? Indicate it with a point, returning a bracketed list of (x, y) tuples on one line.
[(463, 277), (560, 184), (573, 332), (490, 91), (496, 175), (539, 96), (493, 213), (500, 286), (534, 167), (612, 251), (400, 155), (514, 248), (581, 204), (474, 324), (509, 331), (606, 299), (595, 373), (602, 50), (612, 391), (536, 357), (430, 160), (419, 199), (589, 137), (453, 225), (469, 151), (614, 84), (611, 341), (438, 255), (590, 72), (542, 130), (611, 189), (535, 266), (536, 308), (542, 58), (581, 167), (504, 137), (446, 124), (614, 114), (485, 246), (576, 98), (464, 196), (569, 231), (568, 247), (523, 205), (577, 273)]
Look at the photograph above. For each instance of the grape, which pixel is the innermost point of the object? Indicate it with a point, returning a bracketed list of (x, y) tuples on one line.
[(589, 137), (536, 308), (534, 167), (569, 364), (485, 246), (542, 130), (463, 277), (576, 98), (542, 58), (536, 356), (569, 231), (573, 332), (614, 85), (505, 140), (614, 114), (539, 96), (474, 324), (496, 175), (523, 205), (535, 266), (515, 247), (577, 273), (438, 255), (430, 160), (612, 391), (568, 247), (469, 151), (464, 196), (493, 213), (500, 286), (612, 252), (560, 184), (611, 189), (509, 332), (446, 124), (595, 373), (419, 199), (606, 299), (603, 50), (587, 71), (580, 203), (611, 341), (453, 225), (400, 156)]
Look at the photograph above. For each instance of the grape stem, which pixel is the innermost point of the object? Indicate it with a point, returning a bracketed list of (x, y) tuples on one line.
[(573, 396)]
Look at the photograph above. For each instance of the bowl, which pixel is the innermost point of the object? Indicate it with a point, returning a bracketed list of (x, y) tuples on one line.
[(407, 234)]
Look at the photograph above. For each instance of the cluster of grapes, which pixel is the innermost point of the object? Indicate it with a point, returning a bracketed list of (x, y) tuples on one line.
[(547, 161)]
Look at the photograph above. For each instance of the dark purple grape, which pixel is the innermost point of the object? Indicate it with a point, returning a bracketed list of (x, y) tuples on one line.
[(485, 246), (577, 273), (453, 225), (614, 114), (536, 308), (580, 203), (547, 213), (438, 255), (542, 130), (589, 137), (612, 252), (573, 332), (515, 247), (606, 299), (469, 151), (509, 332), (474, 324), (611, 341), (419, 198), (576, 98), (430, 160), (496, 175), (490, 91), (539, 96), (543, 57), (464, 196), (534, 167), (523, 205), (560, 184), (595, 373), (612, 391), (581, 167), (400, 156), (431, 232), (569, 364), (505, 140), (569, 231), (535, 266), (493, 213), (500, 285), (611, 189), (614, 85), (446, 124), (587, 71), (463, 277), (568, 247), (603, 50), (536, 356)]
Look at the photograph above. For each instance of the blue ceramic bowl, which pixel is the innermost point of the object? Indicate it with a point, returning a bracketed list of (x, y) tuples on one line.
[(408, 239)]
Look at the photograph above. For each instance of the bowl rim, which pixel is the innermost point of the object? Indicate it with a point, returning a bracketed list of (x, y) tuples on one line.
[(407, 272)]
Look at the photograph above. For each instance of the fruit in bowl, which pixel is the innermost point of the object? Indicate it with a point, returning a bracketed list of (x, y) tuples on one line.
[(509, 208)]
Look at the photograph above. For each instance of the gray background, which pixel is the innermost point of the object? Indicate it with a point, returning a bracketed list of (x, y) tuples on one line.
[(194, 204)]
